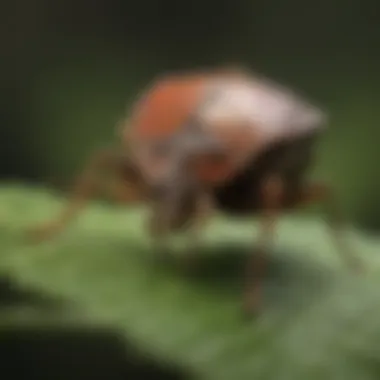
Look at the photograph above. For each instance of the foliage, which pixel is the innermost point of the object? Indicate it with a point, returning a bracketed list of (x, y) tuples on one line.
[(318, 320)]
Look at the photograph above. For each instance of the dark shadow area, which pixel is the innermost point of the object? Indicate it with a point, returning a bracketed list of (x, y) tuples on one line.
[(289, 280), (67, 353), (370, 223), (75, 353), (12, 295)]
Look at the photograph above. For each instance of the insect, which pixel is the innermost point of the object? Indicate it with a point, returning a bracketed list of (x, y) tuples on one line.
[(221, 139)]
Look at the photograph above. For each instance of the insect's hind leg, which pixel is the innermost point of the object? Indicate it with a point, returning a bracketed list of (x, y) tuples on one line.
[(88, 185), (322, 193)]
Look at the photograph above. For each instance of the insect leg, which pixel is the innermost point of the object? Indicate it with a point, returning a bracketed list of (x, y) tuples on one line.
[(272, 191), (320, 192), (159, 230), (165, 205), (87, 186), (202, 213)]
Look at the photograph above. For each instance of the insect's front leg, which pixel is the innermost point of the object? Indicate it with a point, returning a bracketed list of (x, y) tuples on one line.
[(272, 191), (204, 208), (88, 185), (321, 193), (159, 230)]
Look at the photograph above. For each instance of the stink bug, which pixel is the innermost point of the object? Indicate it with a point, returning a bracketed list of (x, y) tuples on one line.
[(224, 139)]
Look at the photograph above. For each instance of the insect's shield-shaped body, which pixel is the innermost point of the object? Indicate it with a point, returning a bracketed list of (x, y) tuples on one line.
[(191, 113)]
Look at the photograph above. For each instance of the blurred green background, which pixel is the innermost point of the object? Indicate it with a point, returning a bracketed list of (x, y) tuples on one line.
[(70, 69)]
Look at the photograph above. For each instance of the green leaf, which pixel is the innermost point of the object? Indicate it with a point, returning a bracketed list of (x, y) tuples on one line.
[(318, 321)]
